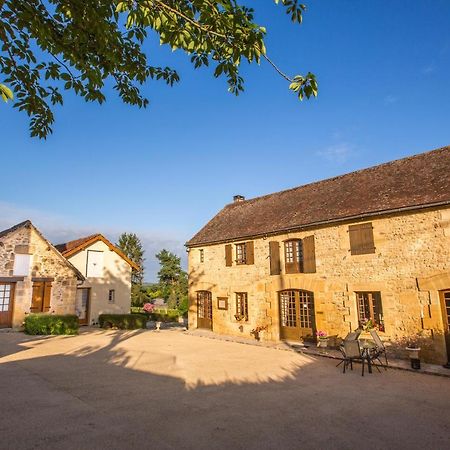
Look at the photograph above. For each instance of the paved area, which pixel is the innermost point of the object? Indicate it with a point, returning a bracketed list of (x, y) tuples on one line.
[(312, 349), (148, 389)]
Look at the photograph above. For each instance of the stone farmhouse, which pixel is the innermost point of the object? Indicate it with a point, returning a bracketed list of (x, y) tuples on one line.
[(86, 277), (369, 245)]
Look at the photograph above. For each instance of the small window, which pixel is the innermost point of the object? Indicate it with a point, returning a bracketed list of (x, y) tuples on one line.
[(241, 306), (370, 308), (241, 253), (22, 265), (361, 239), (112, 296), (202, 255)]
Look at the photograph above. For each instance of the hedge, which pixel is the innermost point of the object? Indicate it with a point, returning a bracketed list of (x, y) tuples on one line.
[(51, 324), (122, 321)]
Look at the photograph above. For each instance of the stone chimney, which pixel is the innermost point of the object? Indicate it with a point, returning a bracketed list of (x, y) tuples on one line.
[(238, 198)]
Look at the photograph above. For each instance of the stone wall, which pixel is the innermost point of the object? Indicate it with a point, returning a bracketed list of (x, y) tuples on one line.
[(409, 247), (46, 263)]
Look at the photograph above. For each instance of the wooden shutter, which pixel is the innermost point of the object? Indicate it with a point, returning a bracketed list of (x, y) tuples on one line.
[(274, 252), (361, 239), (37, 297), (47, 296), (250, 252), (309, 255), (228, 255)]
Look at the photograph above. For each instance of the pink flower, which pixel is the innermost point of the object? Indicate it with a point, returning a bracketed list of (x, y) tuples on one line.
[(149, 307)]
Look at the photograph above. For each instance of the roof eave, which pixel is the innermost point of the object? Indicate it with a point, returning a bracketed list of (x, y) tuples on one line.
[(321, 223)]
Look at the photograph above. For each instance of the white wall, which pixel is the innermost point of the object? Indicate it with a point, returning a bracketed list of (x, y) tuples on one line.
[(116, 275)]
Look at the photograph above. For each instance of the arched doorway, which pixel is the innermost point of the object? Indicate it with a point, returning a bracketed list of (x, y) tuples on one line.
[(297, 318)]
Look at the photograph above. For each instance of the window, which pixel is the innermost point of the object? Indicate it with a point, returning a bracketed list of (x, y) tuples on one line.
[(111, 296), (293, 256), (40, 299), (244, 254), (241, 306), (94, 264), (5, 297), (202, 255), (361, 239), (370, 308), (300, 255), (22, 264), (241, 253)]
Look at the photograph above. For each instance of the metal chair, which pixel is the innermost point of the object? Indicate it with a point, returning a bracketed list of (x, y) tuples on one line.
[(352, 352), (380, 350), (352, 336)]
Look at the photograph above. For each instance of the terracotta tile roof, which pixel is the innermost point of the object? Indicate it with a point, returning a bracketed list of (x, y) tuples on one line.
[(409, 183), (72, 247), (66, 247)]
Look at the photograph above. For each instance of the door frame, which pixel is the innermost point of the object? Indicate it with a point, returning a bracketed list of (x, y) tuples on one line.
[(203, 320), (297, 332), (11, 303), (88, 306), (445, 321)]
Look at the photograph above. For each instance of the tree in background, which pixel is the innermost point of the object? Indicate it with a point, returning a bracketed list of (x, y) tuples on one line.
[(131, 246), (173, 280), (80, 45)]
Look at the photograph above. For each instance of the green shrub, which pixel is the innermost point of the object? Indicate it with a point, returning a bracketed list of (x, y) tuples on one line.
[(123, 321), (51, 324)]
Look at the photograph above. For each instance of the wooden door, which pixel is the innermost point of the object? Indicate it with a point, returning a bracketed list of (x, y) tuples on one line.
[(204, 310), (6, 304), (445, 304), (307, 317), (83, 305), (297, 318)]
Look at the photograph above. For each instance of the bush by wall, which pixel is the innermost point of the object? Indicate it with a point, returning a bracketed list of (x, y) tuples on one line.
[(51, 324), (123, 321)]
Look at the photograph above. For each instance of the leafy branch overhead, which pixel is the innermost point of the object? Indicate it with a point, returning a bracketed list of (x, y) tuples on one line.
[(53, 45)]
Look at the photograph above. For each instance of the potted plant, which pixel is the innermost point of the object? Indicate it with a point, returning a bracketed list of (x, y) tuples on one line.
[(413, 351), (322, 338), (256, 331)]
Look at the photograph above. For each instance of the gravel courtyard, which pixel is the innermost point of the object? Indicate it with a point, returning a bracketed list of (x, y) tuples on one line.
[(163, 390)]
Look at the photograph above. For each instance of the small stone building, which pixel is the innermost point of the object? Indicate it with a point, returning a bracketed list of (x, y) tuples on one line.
[(107, 272), (369, 245), (34, 276)]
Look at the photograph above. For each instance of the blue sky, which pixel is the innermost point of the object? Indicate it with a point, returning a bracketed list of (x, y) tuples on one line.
[(383, 70)]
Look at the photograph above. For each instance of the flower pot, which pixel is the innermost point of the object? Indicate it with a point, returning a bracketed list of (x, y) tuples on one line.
[(414, 357), (322, 342)]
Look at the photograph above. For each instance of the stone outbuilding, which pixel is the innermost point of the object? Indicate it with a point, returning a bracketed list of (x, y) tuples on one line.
[(34, 276), (372, 245)]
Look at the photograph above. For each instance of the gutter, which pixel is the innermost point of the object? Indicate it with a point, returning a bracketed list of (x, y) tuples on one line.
[(321, 223)]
